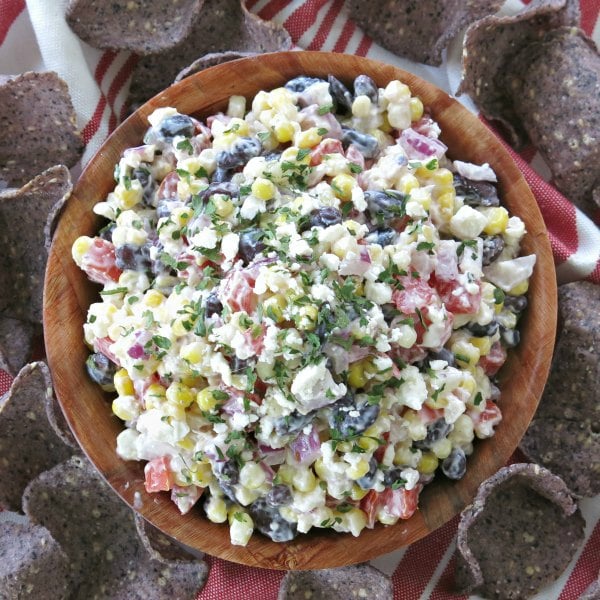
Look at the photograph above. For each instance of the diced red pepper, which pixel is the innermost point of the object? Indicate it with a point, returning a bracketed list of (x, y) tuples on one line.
[(158, 476)]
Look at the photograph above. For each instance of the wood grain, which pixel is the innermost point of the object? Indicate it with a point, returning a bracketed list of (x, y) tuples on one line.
[(68, 295)]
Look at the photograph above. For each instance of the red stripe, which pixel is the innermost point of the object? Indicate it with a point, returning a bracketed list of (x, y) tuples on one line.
[(269, 10), (445, 588), (364, 46), (325, 28), (9, 11), (595, 276), (590, 11), (92, 126), (303, 18), (587, 568), (344, 39), (414, 572), (103, 65), (118, 82)]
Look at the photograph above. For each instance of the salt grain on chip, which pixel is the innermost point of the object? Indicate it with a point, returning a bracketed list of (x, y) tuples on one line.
[(27, 219), (96, 529), (224, 25), (141, 26), (28, 444), (418, 29), (32, 563), (519, 534), (38, 126)]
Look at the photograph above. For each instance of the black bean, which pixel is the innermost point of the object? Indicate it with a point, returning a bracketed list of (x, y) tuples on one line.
[(489, 329), (176, 125), (365, 86), (510, 337), (299, 84), (101, 370), (227, 473), (212, 305), (279, 495), (106, 232), (492, 248), (515, 304), (366, 144), (384, 236), (353, 419), (271, 155), (393, 477), (476, 193), (242, 150), (342, 98), (268, 520), (390, 312), (292, 423), (251, 244), (325, 217), (238, 365), (367, 481), (224, 188), (385, 205), (221, 175), (455, 465), (443, 354), (436, 431), (148, 184), (133, 257)]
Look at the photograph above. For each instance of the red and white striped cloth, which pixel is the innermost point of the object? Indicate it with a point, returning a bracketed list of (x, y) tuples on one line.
[(34, 36)]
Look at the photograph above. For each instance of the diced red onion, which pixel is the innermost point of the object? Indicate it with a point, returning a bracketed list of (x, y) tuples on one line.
[(306, 448), (418, 146)]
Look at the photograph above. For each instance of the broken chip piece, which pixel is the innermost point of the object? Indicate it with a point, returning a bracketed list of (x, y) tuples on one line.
[(16, 341), (38, 126), (416, 29), (97, 532), (32, 563), (224, 25), (27, 219), (140, 26), (564, 435), (28, 444), (519, 534), (491, 41), (210, 60), (354, 581)]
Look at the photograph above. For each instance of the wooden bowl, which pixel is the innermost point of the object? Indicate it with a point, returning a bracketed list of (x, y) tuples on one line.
[(68, 295)]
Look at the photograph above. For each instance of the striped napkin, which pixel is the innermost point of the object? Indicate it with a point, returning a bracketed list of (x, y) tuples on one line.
[(35, 36)]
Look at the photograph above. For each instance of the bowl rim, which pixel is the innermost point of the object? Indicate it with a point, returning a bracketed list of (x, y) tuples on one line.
[(67, 293)]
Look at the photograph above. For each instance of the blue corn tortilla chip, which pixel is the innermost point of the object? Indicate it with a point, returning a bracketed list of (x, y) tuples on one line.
[(141, 26), (32, 563), (355, 581), (16, 342), (38, 124), (519, 535), (27, 219), (210, 60), (418, 29), (28, 444), (96, 529), (564, 435), (224, 25)]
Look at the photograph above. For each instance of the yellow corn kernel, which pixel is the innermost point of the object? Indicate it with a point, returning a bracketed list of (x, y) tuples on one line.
[(443, 177), (154, 396), (305, 480), (178, 328), (408, 182), (286, 474), (357, 493), (279, 97), (153, 298), (442, 448), (428, 463), (395, 91), (274, 306), (223, 206), (80, 248), (361, 107), (193, 352), (175, 411), (180, 394), (241, 526), (284, 132), (519, 289), (385, 126), (236, 106), (355, 520), (483, 343), (252, 475), (416, 108), (307, 319), (497, 220), (216, 509), (237, 126), (128, 197), (468, 384), (125, 408), (368, 441), (342, 185), (357, 378), (123, 384), (308, 138), (344, 446), (187, 443), (201, 474), (206, 400), (358, 469), (293, 154), (405, 455), (261, 102), (263, 188), (320, 469), (466, 354), (446, 203)]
